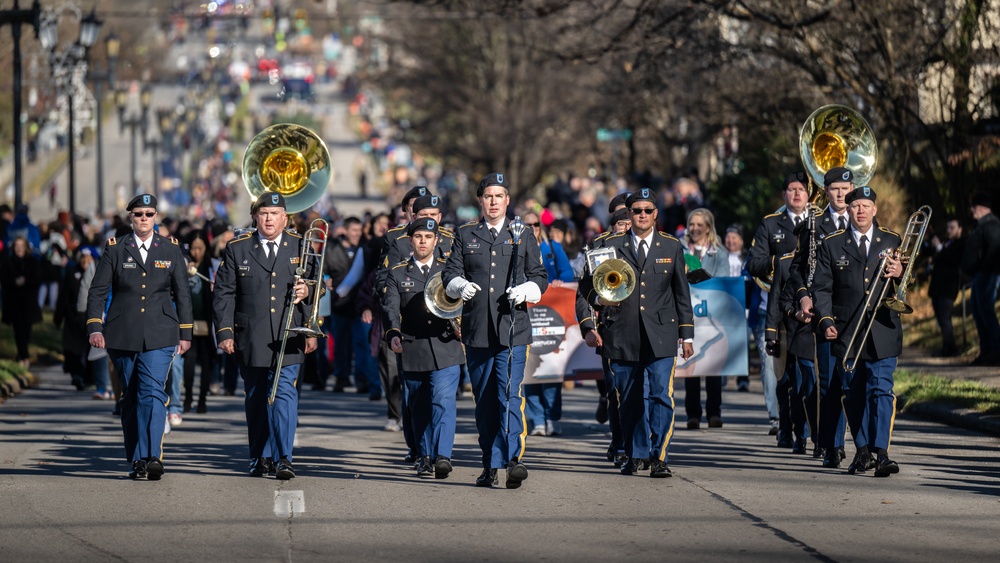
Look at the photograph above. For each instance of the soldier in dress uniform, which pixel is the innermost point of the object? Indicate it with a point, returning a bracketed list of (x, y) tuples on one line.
[(430, 350), (643, 332), (838, 182), (496, 328), (148, 322), (776, 236), (846, 269), (253, 290)]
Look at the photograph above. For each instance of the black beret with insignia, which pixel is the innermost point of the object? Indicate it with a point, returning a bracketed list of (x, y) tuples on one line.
[(799, 177), (982, 199), (838, 174), (414, 193), (616, 201), (267, 199), (427, 202), (141, 200), (863, 192), (421, 225), (494, 179), (620, 215), (644, 194)]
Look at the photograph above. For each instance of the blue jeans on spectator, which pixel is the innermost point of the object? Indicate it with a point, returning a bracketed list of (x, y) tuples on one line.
[(102, 376), (342, 348), (984, 298), (365, 365), (544, 402), (767, 375), (175, 379)]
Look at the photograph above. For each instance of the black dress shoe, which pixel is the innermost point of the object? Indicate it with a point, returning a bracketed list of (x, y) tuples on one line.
[(202, 409), (633, 466), (660, 470), (860, 462), (411, 458), (831, 459), (138, 470), (620, 459), (424, 468), (799, 446), (885, 466), (442, 467), (612, 450), (488, 478), (602, 411), (818, 452), (841, 453), (516, 473), (154, 469), (260, 467), (784, 439), (284, 470)]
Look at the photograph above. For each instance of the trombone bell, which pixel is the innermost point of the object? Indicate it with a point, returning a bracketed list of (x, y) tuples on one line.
[(614, 280)]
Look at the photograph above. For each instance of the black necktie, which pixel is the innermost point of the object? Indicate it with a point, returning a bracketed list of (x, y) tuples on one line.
[(864, 245), (798, 220), (843, 223), (496, 232), (642, 253), (272, 249), (142, 252), (424, 269)]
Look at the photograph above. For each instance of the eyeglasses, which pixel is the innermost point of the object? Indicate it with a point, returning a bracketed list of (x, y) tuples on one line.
[(643, 210), (534, 225), (147, 214)]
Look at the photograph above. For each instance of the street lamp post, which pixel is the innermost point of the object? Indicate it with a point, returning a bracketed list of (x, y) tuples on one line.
[(65, 69), (133, 121), (111, 48), (17, 17)]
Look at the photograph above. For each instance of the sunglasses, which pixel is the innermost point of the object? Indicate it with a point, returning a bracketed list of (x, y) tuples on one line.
[(147, 214), (534, 225), (643, 210)]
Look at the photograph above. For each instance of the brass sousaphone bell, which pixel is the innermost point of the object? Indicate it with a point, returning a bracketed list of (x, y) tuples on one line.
[(291, 160)]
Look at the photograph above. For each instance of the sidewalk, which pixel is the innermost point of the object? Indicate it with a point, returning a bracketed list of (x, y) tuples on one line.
[(920, 361)]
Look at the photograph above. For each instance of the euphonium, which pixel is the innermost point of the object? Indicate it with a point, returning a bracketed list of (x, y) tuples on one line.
[(614, 280), (440, 305)]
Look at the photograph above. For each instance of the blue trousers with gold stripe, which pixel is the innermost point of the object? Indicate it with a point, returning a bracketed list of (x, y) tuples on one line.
[(271, 428), (870, 404), (488, 373), (633, 381), (832, 423), (432, 407), (143, 380)]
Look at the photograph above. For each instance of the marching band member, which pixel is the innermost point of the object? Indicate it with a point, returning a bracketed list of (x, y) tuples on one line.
[(846, 265), (838, 182), (431, 353), (251, 308), (496, 328), (641, 334), (148, 322)]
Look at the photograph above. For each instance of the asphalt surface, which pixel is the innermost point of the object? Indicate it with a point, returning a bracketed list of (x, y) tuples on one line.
[(64, 494)]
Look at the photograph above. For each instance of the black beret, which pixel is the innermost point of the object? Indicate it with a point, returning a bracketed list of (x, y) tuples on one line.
[(799, 177), (838, 174), (427, 202), (494, 179), (616, 201), (141, 200), (645, 194), (421, 225), (620, 215), (414, 193), (267, 199), (983, 199), (863, 192)]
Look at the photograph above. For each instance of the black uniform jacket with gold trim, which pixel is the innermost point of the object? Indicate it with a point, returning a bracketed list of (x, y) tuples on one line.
[(398, 249), (428, 342), (584, 312), (660, 304), (843, 276), (799, 337), (252, 296), (776, 236), (799, 274), (487, 263), (150, 302)]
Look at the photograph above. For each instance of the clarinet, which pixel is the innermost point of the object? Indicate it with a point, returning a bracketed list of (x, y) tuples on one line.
[(811, 226)]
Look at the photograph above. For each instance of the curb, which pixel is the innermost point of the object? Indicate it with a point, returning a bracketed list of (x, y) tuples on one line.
[(953, 416)]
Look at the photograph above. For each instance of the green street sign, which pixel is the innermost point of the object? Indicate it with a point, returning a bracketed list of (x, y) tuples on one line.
[(606, 135)]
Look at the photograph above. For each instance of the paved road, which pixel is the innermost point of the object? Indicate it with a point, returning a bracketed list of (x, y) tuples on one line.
[(64, 494)]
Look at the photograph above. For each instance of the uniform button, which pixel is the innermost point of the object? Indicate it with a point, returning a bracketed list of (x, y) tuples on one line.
[(273, 286), (144, 286), (642, 308), (272, 310), (429, 322), (866, 280), (491, 290), (494, 264), (867, 292), (643, 284), (143, 298), (642, 296), (644, 271), (142, 310), (492, 276), (274, 274), (272, 298), (144, 274), (494, 253)]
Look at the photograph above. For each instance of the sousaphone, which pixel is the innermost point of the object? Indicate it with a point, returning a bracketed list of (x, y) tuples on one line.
[(291, 160)]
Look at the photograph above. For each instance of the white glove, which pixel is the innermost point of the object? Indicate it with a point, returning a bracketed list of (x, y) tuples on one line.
[(461, 287), (527, 291)]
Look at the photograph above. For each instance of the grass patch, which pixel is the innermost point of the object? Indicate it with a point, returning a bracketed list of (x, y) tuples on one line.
[(46, 341), (913, 388)]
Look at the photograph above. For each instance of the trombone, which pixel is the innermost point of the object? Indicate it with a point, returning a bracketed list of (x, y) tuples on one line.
[(909, 248), (315, 235)]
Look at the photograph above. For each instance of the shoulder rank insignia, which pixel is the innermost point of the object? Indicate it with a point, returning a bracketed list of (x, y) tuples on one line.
[(174, 240), (112, 241)]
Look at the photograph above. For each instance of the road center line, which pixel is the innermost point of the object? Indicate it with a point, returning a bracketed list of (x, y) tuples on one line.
[(289, 503)]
